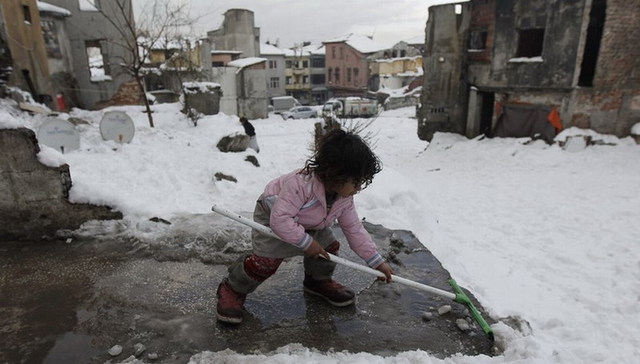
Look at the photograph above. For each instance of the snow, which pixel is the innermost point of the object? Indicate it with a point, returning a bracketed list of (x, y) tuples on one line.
[(245, 62), (536, 233), (361, 43), (270, 50), (526, 59), (635, 129), (46, 7), (201, 87)]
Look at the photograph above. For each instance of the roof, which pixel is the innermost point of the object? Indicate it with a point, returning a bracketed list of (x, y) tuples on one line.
[(271, 50), (245, 62), (222, 51), (418, 39), (55, 10), (361, 43)]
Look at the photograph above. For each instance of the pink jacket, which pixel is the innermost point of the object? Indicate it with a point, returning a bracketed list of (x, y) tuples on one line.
[(297, 203)]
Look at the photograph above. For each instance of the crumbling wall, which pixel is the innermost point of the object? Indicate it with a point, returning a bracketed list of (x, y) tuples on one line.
[(33, 197)]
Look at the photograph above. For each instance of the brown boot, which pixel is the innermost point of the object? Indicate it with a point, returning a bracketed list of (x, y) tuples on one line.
[(230, 307), (332, 291)]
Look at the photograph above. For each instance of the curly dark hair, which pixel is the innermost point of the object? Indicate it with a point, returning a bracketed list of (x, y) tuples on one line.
[(341, 156)]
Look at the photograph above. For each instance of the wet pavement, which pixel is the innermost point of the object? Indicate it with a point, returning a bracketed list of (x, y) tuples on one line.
[(71, 302)]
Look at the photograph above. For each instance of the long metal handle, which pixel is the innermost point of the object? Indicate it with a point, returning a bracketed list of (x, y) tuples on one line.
[(267, 231)]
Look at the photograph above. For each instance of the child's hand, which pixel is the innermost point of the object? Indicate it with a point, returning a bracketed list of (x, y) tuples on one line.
[(315, 250), (386, 269)]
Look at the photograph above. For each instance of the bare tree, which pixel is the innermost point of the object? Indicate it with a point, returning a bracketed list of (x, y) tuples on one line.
[(158, 20)]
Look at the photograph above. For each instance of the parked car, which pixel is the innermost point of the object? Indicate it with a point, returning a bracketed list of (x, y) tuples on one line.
[(300, 112)]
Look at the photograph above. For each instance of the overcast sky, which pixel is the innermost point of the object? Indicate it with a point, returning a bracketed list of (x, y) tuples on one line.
[(294, 21)]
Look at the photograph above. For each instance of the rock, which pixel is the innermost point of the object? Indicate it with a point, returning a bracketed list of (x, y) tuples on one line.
[(427, 316), (160, 220), (462, 324), (115, 350), (138, 349), (444, 309), (220, 176), (253, 160), (152, 356), (233, 143)]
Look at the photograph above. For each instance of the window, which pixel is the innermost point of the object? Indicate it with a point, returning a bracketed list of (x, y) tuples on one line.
[(341, 53), (333, 52), (305, 79), (26, 12), (348, 74), (530, 42), (317, 79), (305, 64), (97, 60), (217, 64), (337, 74), (356, 71), (274, 82), (288, 64), (478, 40), (273, 64), (289, 80), (317, 62), (329, 73)]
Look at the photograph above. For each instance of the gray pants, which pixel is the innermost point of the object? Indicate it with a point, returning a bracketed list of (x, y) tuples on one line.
[(248, 272)]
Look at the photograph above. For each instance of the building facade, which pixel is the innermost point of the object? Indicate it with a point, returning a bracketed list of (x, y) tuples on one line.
[(99, 52), (237, 33), (347, 65), (576, 57), (21, 32), (275, 69)]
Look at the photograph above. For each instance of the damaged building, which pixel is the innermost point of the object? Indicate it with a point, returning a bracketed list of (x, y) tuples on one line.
[(519, 68)]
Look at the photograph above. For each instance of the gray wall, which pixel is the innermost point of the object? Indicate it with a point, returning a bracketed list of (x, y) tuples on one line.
[(252, 94), (237, 33), (91, 25), (33, 197), (444, 93)]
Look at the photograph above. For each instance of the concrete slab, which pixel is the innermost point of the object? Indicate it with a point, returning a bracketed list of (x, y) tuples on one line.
[(72, 302)]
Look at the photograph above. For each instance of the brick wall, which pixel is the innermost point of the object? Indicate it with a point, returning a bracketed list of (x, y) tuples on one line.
[(128, 94), (619, 57)]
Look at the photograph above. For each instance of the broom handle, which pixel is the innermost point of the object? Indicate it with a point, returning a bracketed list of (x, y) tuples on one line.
[(268, 232)]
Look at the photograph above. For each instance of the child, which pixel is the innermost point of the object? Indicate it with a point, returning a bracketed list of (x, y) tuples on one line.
[(251, 132), (300, 208)]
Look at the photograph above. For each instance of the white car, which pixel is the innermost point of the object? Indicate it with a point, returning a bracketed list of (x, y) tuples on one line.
[(300, 112)]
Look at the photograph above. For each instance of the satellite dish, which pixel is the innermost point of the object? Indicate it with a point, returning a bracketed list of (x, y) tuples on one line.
[(59, 134), (117, 126)]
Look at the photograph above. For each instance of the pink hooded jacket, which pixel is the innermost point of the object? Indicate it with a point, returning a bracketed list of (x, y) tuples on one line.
[(297, 203)]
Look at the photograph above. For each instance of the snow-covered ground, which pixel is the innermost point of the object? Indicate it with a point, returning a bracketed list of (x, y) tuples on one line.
[(536, 232)]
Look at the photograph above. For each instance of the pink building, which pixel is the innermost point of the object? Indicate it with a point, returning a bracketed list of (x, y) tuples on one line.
[(347, 69)]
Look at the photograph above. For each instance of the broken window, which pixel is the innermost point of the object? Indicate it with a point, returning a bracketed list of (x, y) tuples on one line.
[(89, 5), (592, 44), (478, 40), (530, 42), (27, 13), (98, 60)]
